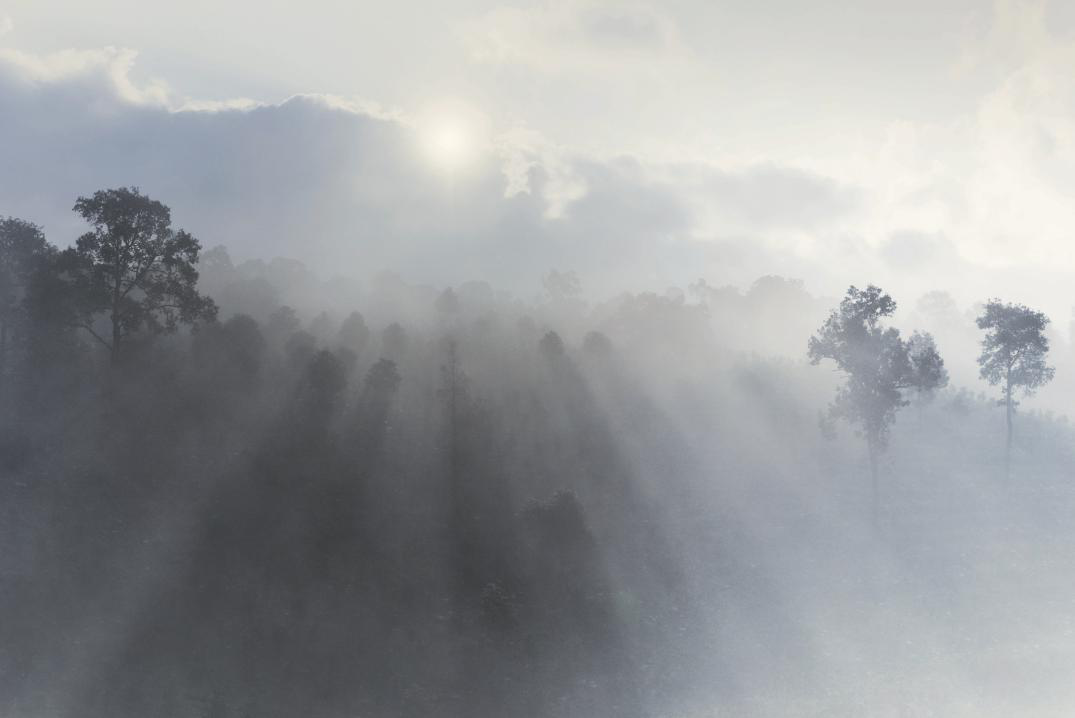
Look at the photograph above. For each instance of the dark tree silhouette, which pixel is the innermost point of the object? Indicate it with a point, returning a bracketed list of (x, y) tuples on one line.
[(454, 391), (596, 344), (382, 379), (379, 390), (551, 345), (283, 323), (394, 341), (877, 365), (23, 251), (354, 334), (133, 269), (1013, 356)]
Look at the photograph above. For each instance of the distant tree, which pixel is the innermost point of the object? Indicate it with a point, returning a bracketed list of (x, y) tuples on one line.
[(938, 305), (876, 363), (394, 341), (133, 269), (448, 302), (322, 387), (300, 347), (597, 344), (454, 392), (371, 422), (354, 334), (562, 287), (215, 268), (321, 327), (383, 378), (563, 292), (233, 349), (1013, 356), (551, 345), (928, 373), (23, 252), (282, 324)]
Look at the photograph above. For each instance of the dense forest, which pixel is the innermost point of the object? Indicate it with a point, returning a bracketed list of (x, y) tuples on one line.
[(237, 489)]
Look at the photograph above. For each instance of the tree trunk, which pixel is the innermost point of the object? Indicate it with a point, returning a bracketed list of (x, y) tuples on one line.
[(117, 285), (871, 449), (1008, 417), (114, 356), (3, 352)]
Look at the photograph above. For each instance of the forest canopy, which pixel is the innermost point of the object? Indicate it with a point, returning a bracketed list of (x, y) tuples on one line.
[(239, 489)]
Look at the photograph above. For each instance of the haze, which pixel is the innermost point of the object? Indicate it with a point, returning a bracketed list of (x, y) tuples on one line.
[(576, 358)]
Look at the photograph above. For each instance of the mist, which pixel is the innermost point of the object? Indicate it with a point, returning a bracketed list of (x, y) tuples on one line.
[(316, 406)]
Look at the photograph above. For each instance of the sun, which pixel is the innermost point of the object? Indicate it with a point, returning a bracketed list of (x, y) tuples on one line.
[(452, 135), (448, 144)]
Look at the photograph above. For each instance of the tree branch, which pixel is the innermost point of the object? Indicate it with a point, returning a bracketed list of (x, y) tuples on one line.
[(95, 335)]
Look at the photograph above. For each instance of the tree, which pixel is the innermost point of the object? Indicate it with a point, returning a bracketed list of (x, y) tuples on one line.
[(597, 344), (382, 379), (1013, 356), (448, 302), (928, 373), (562, 287), (551, 346), (133, 269), (394, 341), (380, 387), (282, 324), (877, 365), (23, 251), (354, 334)]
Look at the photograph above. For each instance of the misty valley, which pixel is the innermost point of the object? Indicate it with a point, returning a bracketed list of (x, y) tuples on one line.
[(245, 489)]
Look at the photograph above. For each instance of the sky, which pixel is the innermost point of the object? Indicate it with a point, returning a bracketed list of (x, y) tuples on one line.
[(916, 145)]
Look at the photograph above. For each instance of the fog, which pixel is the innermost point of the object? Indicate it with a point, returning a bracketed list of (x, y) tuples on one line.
[(388, 498), (316, 406)]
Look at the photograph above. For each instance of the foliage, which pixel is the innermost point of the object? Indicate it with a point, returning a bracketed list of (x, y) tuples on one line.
[(133, 269), (1014, 348), (877, 364)]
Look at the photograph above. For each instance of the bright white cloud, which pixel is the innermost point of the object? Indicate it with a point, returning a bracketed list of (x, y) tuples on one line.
[(112, 66)]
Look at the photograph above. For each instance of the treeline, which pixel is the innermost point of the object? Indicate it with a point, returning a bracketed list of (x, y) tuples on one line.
[(425, 501), (280, 519)]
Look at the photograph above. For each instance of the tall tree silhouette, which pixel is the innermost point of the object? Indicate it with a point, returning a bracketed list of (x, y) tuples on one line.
[(133, 269), (1013, 356), (23, 250), (877, 365)]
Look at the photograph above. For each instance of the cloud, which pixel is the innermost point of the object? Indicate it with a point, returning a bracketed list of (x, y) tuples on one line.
[(106, 70), (572, 35), (1014, 157), (343, 184), (768, 195), (6, 25), (914, 251), (339, 184)]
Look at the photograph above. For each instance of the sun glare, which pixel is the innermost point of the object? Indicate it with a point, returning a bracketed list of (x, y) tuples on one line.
[(448, 144)]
